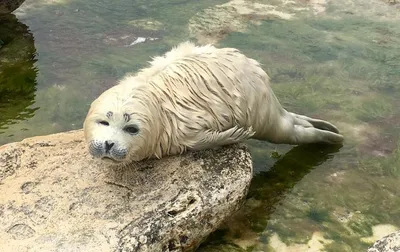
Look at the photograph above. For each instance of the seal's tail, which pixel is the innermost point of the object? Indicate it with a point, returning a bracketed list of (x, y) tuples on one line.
[(310, 130)]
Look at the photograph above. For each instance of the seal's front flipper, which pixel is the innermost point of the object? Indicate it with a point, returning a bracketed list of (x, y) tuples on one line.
[(213, 138)]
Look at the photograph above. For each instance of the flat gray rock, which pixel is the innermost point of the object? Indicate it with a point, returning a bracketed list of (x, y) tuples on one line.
[(55, 197), (389, 243)]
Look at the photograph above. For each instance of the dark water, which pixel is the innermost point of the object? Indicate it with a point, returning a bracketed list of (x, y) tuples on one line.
[(340, 64), (17, 72)]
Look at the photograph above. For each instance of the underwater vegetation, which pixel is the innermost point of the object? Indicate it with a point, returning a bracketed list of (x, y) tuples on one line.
[(346, 69), (83, 48), (340, 65)]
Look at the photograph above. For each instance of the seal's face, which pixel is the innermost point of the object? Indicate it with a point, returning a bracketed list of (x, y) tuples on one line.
[(111, 136), (115, 128)]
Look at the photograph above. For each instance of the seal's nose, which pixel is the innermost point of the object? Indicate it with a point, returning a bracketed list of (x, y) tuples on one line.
[(109, 145)]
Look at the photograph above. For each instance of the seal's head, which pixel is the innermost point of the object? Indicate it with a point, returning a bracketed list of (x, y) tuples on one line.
[(119, 125)]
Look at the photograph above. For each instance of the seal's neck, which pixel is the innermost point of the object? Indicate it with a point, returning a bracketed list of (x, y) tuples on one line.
[(164, 137)]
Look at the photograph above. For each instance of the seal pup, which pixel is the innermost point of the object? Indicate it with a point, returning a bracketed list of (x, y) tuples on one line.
[(194, 98)]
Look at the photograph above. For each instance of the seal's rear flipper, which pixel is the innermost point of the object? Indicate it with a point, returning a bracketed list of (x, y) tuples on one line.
[(310, 130), (319, 124), (305, 135)]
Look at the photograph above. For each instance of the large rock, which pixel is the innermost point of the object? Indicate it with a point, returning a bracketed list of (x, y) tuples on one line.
[(55, 197), (389, 243)]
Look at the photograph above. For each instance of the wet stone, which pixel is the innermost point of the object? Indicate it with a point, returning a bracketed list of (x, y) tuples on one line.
[(70, 201)]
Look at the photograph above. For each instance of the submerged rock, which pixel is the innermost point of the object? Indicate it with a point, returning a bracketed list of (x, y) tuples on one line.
[(147, 24), (55, 197), (213, 24)]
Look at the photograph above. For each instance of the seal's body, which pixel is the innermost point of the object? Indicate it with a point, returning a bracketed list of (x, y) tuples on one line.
[(194, 98)]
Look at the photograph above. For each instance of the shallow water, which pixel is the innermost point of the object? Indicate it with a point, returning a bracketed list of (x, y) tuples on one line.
[(332, 60)]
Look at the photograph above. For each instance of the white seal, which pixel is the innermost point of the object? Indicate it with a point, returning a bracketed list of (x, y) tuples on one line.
[(193, 98)]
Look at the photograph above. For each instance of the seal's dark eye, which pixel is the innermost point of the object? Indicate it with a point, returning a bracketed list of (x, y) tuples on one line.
[(131, 129), (104, 123)]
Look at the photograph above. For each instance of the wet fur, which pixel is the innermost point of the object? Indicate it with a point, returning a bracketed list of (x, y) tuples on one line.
[(197, 97)]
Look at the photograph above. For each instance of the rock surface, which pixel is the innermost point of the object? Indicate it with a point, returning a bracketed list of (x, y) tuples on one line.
[(55, 197), (8, 6), (389, 243)]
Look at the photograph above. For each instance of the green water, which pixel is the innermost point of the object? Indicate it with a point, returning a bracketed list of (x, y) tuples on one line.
[(341, 65)]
